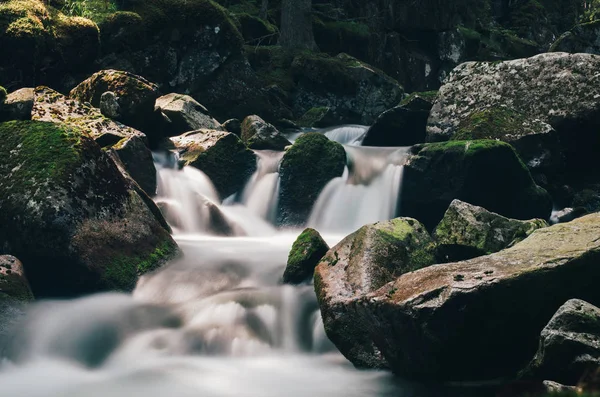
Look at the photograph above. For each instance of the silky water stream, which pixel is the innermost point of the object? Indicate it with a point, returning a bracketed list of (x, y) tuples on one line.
[(217, 322)]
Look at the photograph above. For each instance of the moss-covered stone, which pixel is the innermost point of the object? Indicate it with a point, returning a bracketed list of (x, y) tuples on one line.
[(486, 173), (13, 283), (131, 145), (468, 231), (220, 155), (305, 169), (438, 322), (135, 96), (260, 135), (3, 95), (419, 100), (362, 263), (70, 215), (43, 43), (319, 117), (307, 251), (182, 113)]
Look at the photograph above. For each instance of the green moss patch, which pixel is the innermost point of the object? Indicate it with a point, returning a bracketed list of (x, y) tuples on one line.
[(492, 123)]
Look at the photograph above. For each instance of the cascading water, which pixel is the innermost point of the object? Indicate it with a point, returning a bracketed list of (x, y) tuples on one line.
[(262, 191), (216, 322), (351, 134), (367, 192)]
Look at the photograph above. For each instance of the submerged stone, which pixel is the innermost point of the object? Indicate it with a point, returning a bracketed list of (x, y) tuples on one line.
[(307, 251), (221, 155), (305, 169)]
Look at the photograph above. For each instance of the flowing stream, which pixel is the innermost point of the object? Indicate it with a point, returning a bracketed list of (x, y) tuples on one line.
[(217, 322)]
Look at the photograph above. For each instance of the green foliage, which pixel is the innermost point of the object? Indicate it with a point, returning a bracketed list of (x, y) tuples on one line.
[(93, 9)]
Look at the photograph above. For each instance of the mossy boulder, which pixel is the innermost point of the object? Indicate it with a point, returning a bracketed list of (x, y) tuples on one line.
[(419, 100), (581, 38), (17, 105), (260, 135), (42, 45), (398, 126), (481, 172), (468, 231), (362, 263), (135, 96), (356, 93), (439, 322), (555, 88), (306, 252), (52, 106), (182, 113), (221, 155), (71, 217), (305, 169), (3, 95), (234, 126), (569, 344), (319, 117)]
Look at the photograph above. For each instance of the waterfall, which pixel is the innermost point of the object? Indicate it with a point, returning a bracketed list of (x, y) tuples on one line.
[(367, 192), (216, 322), (351, 134), (261, 193)]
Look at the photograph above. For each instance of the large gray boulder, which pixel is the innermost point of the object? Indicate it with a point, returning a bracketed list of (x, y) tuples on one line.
[(77, 224), (221, 155), (559, 89), (134, 94), (468, 231), (182, 113), (260, 135), (569, 345), (130, 144), (354, 92), (471, 320), (362, 263), (17, 105), (486, 173)]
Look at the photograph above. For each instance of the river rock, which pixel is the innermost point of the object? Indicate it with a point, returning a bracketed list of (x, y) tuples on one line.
[(482, 172), (438, 323), (182, 113), (398, 126), (582, 38), (361, 263), (134, 94), (15, 293), (305, 169), (17, 105), (355, 92), (130, 144), (69, 214), (569, 345), (260, 135), (559, 89), (234, 126), (221, 155), (468, 231), (307, 251), (319, 117)]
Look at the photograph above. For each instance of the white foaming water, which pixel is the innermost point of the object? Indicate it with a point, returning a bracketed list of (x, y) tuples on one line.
[(261, 193), (351, 134), (217, 322), (368, 191)]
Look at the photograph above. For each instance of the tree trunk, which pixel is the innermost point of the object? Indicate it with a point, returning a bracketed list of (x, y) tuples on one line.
[(296, 25), (264, 8)]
